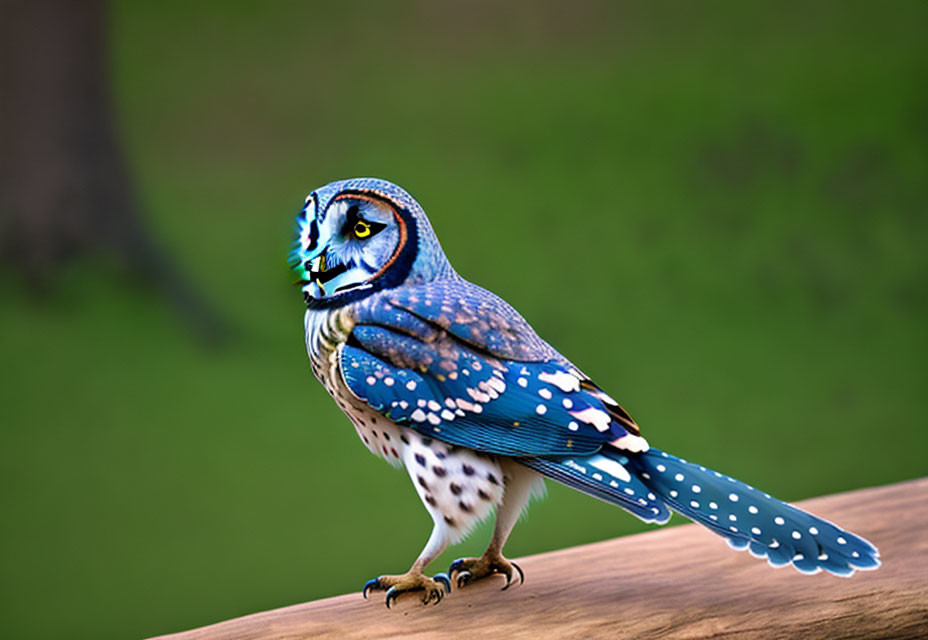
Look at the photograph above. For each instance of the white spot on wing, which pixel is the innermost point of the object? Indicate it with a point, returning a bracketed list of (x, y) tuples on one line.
[(593, 416), (563, 381), (635, 444), (497, 384), (611, 467)]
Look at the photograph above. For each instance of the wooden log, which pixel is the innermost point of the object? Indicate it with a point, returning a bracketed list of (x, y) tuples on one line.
[(681, 582)]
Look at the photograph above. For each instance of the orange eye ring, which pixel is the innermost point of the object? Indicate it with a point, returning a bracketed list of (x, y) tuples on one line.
[(362, 229)]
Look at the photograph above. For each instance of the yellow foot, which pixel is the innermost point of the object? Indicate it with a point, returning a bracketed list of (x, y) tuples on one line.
[(432, 588), (471, 569)]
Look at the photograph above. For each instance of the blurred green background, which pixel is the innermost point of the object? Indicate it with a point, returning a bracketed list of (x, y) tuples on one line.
[(718, 211)]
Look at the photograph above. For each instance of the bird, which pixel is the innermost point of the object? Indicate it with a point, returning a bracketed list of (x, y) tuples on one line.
[(445, 379)]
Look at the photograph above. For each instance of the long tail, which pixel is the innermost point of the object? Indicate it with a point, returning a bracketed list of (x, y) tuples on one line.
[(647, 484)]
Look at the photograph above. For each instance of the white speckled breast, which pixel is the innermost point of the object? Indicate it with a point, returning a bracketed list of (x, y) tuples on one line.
[(326, 333)]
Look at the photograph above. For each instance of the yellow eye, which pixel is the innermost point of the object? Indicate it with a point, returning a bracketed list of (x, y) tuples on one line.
[(362, 229)]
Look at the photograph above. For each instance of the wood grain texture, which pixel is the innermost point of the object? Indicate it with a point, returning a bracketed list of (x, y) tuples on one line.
[(682, 582)]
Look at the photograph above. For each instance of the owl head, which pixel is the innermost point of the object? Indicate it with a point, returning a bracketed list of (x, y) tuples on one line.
[(356, 237)]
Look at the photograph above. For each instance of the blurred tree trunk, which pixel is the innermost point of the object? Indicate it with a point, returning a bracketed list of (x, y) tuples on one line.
[(65, 188)]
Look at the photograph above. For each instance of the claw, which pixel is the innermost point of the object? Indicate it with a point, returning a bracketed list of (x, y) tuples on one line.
[(369, 585), (463, 578), (477, 568), (509, 576), (433, 590), (435, 594), (444, 580), (455, 566), (392, 594)]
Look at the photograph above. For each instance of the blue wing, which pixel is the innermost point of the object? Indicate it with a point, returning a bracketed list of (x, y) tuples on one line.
[(479, 405), (455, 362)]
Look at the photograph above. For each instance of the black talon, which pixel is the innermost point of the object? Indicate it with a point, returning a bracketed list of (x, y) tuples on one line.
[(370, 584), (521, 575), (508, 580), (392, 593)]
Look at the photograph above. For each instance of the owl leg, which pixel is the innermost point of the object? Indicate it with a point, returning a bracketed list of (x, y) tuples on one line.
[(458, 488), (433, 589), (520, 484)]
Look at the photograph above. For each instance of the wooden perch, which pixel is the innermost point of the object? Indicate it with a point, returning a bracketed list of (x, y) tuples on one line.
[(682, 582)]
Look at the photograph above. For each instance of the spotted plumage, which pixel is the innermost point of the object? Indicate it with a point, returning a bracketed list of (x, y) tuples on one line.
[(446, 379)]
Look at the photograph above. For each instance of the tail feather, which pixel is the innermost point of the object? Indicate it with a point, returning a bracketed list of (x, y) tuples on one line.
[(604, 476), (751, 519), (646, 484)]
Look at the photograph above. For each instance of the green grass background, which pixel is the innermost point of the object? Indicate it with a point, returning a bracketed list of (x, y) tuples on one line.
[(717, 210)]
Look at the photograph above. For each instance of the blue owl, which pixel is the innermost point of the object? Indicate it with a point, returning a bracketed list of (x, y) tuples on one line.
[(447, 380)]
